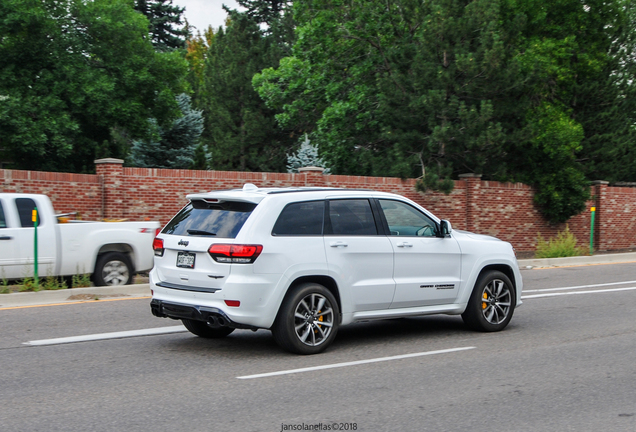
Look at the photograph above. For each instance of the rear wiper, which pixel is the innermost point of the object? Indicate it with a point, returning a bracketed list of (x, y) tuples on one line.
[(200, 232)]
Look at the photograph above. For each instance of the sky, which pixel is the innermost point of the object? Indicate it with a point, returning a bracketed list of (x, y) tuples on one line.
[(201, 13)]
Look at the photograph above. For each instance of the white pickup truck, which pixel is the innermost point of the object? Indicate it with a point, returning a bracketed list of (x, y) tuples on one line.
[(111, 252)]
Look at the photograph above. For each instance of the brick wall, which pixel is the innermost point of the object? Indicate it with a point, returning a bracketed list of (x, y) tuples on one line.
[(69, 192), (505, 210)]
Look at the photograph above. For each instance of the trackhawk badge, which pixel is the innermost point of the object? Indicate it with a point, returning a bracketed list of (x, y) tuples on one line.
[(183, 243)]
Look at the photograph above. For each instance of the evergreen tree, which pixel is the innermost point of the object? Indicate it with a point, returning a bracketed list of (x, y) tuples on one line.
[(202, 158), (307, 156), (241, 131), (164, 20), (265, 11), (172, 147), (521, 90), (276, 19), (197, 51)]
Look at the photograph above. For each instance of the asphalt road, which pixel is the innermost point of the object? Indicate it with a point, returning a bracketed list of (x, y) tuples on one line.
[(567, 362)]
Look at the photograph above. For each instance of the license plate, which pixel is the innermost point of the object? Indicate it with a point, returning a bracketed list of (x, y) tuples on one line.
[(185, 259)]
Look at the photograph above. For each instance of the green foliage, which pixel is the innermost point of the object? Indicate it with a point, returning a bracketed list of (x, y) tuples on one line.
[(399, 87), (164, 20), (196, 53), (562, 188), (563, 245), (81, 280), (307, 156), (201, 159), (275, 17), (72, 72), (431, 181), (53, 283), (582, 58), (4, 284), (28, 284), (174, 146), (240, 131), (515, 90)]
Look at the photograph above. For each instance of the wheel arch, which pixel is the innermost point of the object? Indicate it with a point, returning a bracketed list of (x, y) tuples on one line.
[(505, 269), (124, 248), (326, 281)]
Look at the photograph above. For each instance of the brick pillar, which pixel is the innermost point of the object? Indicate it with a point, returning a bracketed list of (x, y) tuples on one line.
[(313, 175), (110, 172), (473, 198), (600, 193)]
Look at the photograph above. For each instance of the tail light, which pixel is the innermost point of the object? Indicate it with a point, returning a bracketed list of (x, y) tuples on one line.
[(235, 254), (157, 245)]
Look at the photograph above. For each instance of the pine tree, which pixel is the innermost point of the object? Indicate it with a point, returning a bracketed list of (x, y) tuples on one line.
[(172, 147), (276, 19), (197, 51), (516, 91), (165, 20), (241, 132), (307, 156), (265, 11)]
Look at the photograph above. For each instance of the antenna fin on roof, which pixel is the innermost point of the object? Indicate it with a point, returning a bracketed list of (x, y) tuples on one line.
[(249, 187)]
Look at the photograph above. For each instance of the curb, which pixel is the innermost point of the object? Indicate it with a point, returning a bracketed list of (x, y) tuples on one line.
[(72, 295), (527, 264)]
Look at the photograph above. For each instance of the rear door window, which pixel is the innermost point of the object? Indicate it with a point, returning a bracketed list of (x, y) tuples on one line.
[(301, 219), (220, 220), (3, 221), (351, 217), (25, 208)]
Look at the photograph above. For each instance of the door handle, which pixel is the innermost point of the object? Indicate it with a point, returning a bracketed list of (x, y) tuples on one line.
[(6, 238), (404, 245), (338, 244)]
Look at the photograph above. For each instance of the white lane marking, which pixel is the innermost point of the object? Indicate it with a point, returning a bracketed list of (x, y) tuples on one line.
[(103, 336), (576, 292), (354, 363), (579, 286)]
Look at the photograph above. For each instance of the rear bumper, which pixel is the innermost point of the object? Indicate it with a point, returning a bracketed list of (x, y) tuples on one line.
[(214, 317)]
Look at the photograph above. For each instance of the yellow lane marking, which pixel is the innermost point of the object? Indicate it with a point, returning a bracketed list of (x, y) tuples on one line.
[(74, 303)]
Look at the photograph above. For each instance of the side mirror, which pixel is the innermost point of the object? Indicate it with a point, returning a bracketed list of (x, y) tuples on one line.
[(445, 228)]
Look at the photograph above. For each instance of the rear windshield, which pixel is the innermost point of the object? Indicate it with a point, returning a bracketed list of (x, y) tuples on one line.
[(199, 218)]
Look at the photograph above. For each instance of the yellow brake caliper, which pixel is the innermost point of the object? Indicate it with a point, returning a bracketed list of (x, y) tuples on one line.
[(320, 318), (484, 305)]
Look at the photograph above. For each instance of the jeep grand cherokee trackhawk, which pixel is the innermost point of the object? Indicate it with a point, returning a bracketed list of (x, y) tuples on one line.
[(304, 261)]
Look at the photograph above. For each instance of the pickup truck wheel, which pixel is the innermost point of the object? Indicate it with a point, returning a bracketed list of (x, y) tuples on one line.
[(112, 268), (491, 303), (203, 330), (308, 320)]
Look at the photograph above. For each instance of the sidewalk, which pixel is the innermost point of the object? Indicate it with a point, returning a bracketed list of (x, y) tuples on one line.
[(74, 295), (578, 261)]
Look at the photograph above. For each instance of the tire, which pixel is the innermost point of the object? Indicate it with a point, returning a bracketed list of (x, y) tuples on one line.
[(203, 330), (491, 303), (112, 268), (308, 320)]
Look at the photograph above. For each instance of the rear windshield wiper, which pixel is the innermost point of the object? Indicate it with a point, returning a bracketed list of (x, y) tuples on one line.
[(200, 232)]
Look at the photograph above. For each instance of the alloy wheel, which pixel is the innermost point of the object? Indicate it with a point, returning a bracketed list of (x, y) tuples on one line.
[(313, 319), (496, 301)]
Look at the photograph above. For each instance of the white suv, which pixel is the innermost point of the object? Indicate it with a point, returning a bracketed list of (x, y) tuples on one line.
[(303, 261)]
